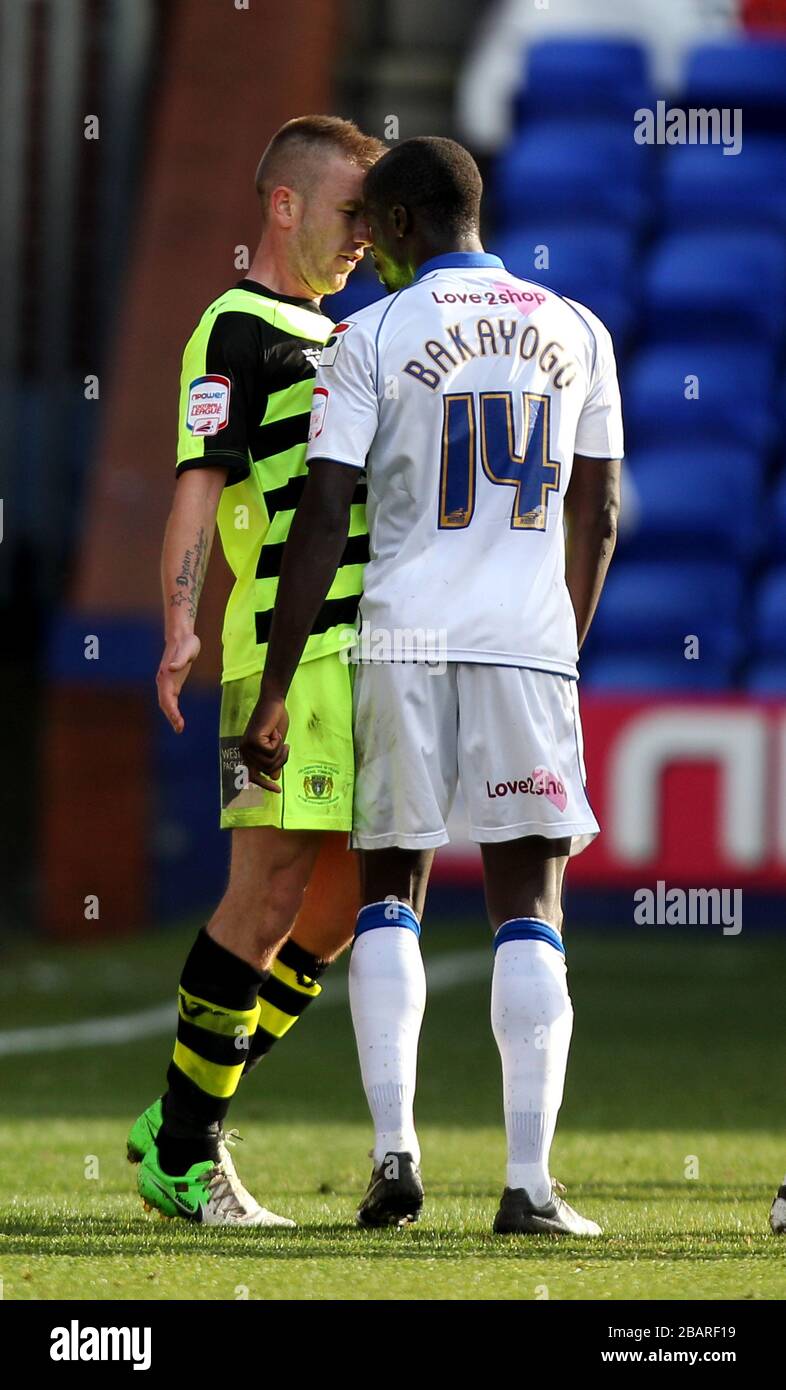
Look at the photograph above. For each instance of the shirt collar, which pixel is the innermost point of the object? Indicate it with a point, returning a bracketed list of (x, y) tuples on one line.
[(256, 287), (460, 260)]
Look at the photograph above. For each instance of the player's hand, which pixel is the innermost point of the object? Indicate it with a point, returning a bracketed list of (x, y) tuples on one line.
[(262, 747), (179, 656)]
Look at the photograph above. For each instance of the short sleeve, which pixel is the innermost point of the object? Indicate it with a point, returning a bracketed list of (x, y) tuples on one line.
[(345, 405), (599, 433), (221, 368)]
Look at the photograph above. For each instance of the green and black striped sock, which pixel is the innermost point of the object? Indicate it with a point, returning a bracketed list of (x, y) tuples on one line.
[(217, 1008), (291, 985)]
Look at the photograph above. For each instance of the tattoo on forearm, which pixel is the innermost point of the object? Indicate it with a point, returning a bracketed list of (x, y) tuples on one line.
[(191, 577)]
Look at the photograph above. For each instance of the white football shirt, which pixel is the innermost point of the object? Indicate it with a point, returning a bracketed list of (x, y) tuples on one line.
[(465, 397)]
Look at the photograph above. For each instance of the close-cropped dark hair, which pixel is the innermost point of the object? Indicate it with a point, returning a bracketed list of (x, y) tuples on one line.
[(430, 176), (293, 155)]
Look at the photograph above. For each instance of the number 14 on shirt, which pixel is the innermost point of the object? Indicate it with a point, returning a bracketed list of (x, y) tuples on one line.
[(531, 473)]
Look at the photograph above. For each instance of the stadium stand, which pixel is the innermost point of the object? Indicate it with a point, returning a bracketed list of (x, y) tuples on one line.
[(644, 607), (561, 168), (568, 76), (745, 74), (497, 65), (704, 190), (681, 250), (702, 501), (769, 628), (673, 390), (660, 673), (697, 283)]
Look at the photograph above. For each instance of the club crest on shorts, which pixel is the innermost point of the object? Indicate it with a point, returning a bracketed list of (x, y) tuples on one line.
[(318, 782), (208, 404), (318, 786)]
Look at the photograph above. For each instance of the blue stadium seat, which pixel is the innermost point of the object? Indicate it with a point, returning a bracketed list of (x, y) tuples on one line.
[(632, 673), (702, 187), (593, 264), (777, 511), (579, 255), (766, 678), (699, 284), (561, 170), (652, 606), (769, 615), (713, 460), (745, 73), (697, 504), (584, 76), (734, 404)]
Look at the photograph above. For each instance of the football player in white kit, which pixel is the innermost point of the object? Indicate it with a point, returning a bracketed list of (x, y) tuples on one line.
[(485, 411)]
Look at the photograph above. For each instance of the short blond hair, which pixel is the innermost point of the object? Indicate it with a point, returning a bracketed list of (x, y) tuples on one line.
[(288, 158)]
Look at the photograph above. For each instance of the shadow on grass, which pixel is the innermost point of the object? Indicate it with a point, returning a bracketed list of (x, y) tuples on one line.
[(107, 1238)]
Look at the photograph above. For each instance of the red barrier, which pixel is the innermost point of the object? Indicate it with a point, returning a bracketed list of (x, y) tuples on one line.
[(689, 790)]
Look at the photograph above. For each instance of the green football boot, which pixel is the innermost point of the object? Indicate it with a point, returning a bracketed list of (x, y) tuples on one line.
[(209, 1193), (185, 1196), (144, 1131), (223, 1201)]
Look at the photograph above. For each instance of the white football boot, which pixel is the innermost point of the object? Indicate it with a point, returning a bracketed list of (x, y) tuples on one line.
[(517, 1215), (249, 1203)]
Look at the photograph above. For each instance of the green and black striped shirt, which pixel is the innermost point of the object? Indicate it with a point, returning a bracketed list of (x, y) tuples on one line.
[(245, 403)]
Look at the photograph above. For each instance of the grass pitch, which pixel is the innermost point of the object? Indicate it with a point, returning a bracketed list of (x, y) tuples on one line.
[(670, 1135)]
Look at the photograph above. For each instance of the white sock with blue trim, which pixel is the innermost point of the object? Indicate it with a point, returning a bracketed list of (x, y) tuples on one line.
[(387, 996), (532, 1020)]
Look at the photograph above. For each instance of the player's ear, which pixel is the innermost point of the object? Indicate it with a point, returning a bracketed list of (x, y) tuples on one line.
[(283, 205), (402, 222)]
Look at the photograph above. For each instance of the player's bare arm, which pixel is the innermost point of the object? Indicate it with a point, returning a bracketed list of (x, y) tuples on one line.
[(311, 557), (592, 505), (187, 544)]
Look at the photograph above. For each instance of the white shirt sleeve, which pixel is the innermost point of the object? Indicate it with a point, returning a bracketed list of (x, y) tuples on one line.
[(345, 405), (599, 433)]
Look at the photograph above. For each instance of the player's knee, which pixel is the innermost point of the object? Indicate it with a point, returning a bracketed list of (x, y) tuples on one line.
[(264, 913), (276, 907)]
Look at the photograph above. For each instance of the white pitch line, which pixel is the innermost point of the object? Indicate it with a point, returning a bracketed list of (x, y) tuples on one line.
[(122, 1028), (446, 973)]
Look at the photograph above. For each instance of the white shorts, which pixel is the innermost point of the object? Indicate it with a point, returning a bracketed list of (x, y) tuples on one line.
[(511, 738)]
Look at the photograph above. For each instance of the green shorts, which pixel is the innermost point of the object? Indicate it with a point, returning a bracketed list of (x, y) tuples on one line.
[(318, 778)]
